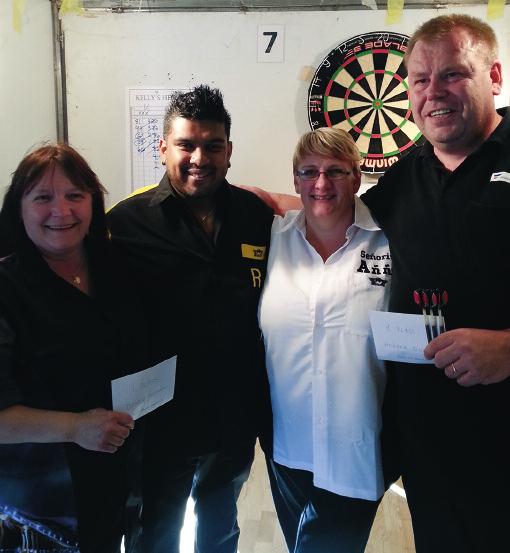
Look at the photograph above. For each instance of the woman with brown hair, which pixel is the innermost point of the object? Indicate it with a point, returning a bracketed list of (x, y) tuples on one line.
[(68, 326)]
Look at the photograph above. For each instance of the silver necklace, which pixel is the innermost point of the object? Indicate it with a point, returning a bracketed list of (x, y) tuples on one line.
[(207, 215)]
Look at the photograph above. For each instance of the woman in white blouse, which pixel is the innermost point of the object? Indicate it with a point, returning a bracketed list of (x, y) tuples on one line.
[(329, 265)]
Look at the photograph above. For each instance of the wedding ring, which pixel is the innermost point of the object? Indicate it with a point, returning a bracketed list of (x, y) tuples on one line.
[(455, 372)]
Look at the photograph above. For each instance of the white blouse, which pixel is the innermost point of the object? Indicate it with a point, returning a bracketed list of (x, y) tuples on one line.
[(326, 383)]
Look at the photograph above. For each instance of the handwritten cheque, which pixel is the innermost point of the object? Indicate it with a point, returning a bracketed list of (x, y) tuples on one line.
[(399, 336), (142, 392)]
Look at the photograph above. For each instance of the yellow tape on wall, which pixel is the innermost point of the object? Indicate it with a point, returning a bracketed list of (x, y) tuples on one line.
[(394, 11), (71, 6), (495, 9), (18, 8)]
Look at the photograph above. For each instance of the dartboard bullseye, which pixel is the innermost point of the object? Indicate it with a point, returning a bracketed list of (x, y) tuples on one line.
[(361, 87)]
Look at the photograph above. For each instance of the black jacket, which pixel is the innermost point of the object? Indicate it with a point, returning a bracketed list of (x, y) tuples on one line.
[(203, 300)]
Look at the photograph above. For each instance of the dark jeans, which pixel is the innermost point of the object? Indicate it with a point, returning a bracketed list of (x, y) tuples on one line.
[(315, 520), (214, 480)]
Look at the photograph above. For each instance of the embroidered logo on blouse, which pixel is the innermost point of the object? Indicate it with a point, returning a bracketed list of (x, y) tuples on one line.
[(375, 264), (253, 252), (378, 281)]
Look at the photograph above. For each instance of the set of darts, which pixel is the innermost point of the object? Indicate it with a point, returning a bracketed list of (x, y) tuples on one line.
[(431, 302)]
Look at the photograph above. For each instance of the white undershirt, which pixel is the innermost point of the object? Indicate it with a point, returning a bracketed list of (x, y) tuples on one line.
[(326, 383)]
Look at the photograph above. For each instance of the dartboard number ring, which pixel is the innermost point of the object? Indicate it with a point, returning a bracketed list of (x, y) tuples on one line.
[(361, 87)]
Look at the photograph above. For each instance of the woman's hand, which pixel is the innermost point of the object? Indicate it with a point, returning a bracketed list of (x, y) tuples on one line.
[(101, 430)]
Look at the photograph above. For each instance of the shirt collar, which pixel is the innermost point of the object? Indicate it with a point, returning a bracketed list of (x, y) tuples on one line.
[(362, 218), (165, 190), (503, 129), (162, 192)]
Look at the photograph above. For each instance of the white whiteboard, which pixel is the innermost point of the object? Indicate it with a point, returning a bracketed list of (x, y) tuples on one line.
[(108, 52), (145, 112)]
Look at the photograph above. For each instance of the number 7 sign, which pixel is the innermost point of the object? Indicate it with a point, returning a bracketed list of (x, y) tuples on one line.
[(270, 41)]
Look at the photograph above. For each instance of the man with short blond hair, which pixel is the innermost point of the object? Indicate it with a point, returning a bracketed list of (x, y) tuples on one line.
[(445, 210)]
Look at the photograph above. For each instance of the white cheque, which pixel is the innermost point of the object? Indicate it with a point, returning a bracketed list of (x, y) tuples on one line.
[(399, 336), (142, 392)]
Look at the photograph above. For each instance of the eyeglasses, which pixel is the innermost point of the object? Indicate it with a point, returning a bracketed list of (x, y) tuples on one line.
[(333, 174)]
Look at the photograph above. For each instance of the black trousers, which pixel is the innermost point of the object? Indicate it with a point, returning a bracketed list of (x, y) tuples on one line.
[(453, 511), (315, 520), (214, 480), (101, 490)]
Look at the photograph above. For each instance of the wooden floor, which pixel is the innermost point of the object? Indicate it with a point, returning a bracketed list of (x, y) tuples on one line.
[(260, 532)]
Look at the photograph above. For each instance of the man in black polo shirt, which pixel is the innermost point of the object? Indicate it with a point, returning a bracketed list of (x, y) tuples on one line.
[(200, 246), (445, 209)]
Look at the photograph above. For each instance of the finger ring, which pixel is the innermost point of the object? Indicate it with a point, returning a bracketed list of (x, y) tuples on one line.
[(455, 372)]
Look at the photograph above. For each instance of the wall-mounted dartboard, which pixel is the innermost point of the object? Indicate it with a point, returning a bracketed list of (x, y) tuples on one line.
[(361, 87)]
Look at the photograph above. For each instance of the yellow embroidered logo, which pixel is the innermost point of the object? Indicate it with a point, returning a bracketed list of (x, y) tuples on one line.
[(253, 252)]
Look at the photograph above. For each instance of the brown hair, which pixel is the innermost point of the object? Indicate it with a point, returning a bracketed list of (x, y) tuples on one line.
[(330, 142), (440, 27), (28, 173)]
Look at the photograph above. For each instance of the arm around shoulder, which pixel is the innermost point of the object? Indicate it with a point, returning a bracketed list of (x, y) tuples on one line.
[(279, 203)]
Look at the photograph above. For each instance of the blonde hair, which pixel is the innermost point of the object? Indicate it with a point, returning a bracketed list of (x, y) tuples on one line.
[(330, 142), (440, 27)]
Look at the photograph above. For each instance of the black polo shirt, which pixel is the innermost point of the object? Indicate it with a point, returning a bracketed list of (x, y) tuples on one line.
[(449, 230), (202, 298)]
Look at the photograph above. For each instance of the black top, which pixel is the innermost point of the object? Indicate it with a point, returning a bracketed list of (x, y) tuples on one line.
[(449, 230), (203, 297), (5, 241), (59, 349)]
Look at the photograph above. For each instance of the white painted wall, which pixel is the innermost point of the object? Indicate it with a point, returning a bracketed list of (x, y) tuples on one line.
[(107, 52), (27, 95)]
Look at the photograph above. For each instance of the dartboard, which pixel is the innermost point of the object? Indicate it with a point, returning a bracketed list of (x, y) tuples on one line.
[(361, 87)]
